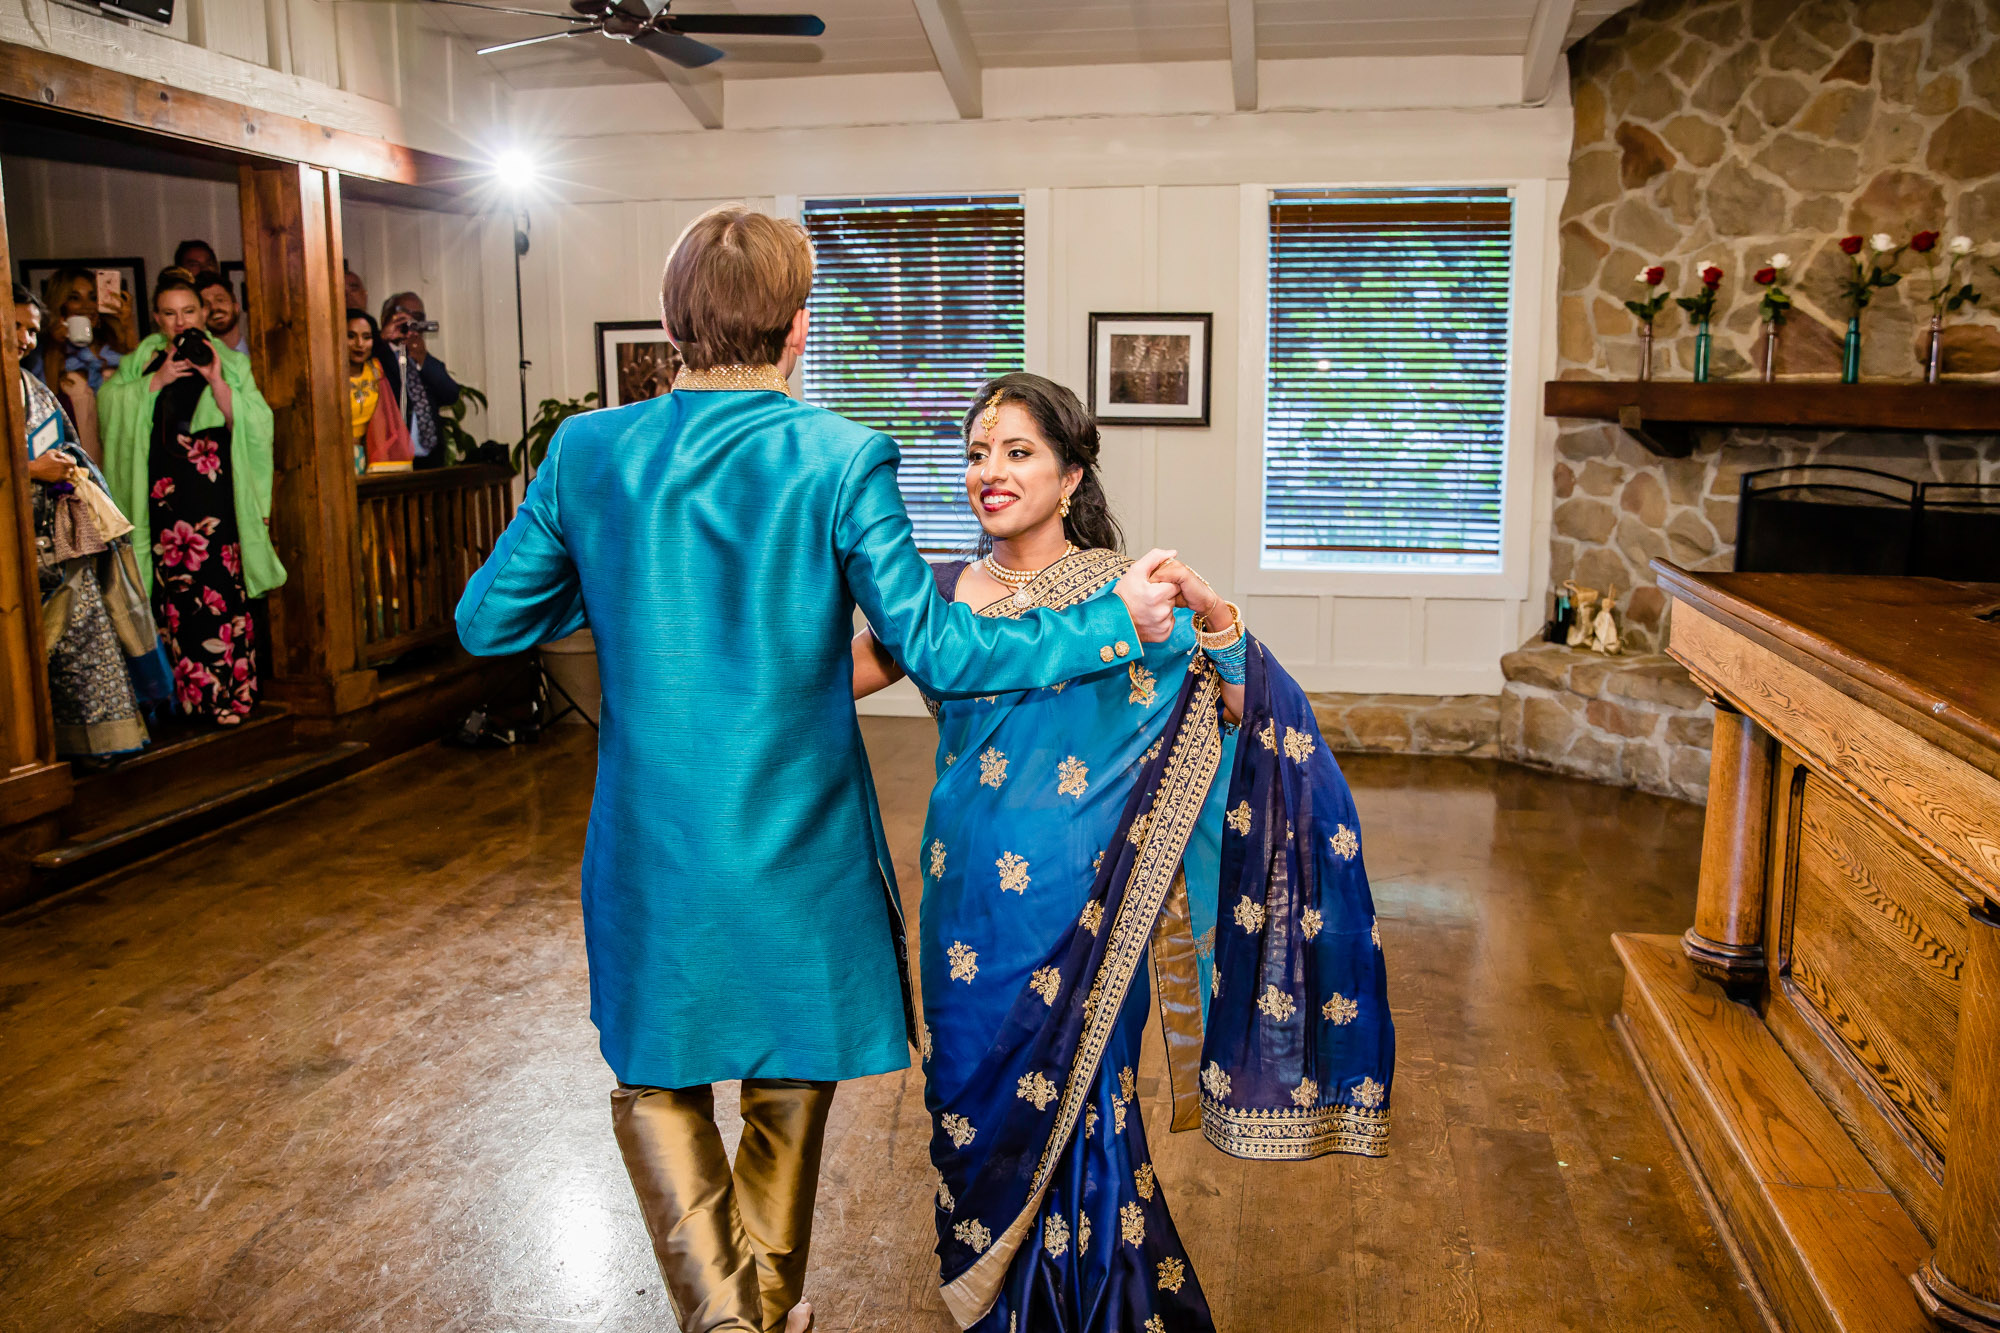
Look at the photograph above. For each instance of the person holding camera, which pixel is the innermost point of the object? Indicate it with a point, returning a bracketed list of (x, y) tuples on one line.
[(187, 450), (419, 380)]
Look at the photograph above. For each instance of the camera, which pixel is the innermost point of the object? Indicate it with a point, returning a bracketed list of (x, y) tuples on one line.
[(193, 348), (422, 326)]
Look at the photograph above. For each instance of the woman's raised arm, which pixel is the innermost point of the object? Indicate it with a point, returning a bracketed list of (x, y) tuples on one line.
[(874, 669)]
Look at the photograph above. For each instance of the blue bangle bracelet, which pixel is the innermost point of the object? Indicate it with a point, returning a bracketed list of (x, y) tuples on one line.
[(1232, 663)]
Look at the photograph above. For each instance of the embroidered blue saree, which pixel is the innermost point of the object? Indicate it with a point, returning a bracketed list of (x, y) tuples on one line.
[(1074, 831)]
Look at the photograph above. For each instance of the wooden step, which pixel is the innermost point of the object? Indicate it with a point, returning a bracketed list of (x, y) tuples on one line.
[(153, 823), (183, 754), (1820, 1237)]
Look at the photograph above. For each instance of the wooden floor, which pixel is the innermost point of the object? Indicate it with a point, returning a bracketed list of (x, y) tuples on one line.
[(333, 1070)]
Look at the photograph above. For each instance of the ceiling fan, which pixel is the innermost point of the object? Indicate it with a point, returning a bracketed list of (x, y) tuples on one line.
[(648, 24)]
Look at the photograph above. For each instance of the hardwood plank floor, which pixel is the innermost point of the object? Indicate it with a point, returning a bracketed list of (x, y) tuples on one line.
[(333, 1069)]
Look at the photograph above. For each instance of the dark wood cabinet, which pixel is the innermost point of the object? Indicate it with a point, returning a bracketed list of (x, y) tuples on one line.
[(1822, 1041)]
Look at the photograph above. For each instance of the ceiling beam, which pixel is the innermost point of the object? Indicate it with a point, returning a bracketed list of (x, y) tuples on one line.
[(1543, 57), (1243, 52), (956, 59)]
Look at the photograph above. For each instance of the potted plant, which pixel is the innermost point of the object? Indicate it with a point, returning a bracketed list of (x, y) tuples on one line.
[(1645, 310), (1701, 308), (1948, 293), (1876, 270), (1772, 309)]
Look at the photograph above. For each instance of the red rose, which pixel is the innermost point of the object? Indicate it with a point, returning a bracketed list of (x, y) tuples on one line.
[(1765, 276), (1655, 275), (1711, 276), (1850, 245), (1923, 241)]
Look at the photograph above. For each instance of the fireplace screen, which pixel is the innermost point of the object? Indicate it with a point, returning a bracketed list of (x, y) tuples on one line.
[(1827, 519)]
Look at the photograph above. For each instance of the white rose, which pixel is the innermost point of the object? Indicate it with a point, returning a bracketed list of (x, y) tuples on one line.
[(1781, 262), (1882, 241), (1960, 245)]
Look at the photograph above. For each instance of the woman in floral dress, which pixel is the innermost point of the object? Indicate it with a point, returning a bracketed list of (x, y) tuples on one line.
[(187, 443)]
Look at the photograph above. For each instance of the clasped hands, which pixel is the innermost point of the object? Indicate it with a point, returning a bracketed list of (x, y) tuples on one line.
[(1155, 585)]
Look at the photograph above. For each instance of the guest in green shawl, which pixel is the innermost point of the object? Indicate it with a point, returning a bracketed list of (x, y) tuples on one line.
[(187, 449)]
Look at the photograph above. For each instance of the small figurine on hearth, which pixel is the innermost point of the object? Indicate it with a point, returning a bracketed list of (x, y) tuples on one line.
[(1604, 629), (1584, 601)]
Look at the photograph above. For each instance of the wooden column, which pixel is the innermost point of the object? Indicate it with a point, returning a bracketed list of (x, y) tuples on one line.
[(1960, 1286), (292, 267), (33, 781), (1726, 941)]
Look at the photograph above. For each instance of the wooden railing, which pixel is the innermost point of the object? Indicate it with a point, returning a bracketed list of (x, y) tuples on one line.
[(422, 535)]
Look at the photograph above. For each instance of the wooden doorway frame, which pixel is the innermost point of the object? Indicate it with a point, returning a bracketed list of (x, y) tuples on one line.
[(290, 178)]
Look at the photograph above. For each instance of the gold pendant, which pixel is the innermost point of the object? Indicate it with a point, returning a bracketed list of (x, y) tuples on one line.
[(1022, 599)]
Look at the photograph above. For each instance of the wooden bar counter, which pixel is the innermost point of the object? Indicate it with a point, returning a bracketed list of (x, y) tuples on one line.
[(1824, 1041)]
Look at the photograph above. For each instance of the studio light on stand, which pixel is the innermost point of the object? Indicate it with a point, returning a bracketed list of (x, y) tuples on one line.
[(517, 176)]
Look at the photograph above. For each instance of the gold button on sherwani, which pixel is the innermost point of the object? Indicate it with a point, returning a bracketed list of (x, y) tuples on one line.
[(1105, 653), (1124, 648)]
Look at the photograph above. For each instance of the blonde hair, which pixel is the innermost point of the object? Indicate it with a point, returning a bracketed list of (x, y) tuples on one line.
[(734, 281)]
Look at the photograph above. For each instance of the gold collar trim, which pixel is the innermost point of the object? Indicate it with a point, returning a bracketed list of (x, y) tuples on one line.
[(733, 377)]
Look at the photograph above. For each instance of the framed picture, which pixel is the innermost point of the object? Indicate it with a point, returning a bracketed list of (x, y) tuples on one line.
[(1150, 370), (634, 361), (131, 274), (239, 281)]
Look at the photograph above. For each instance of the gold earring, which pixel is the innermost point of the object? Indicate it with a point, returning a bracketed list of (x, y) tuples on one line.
[(1062, 510)]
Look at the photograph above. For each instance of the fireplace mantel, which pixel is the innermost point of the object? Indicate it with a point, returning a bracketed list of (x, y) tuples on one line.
[(1664, 415)]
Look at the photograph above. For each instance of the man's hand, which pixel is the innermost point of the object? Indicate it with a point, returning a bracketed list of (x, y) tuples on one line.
[(413, 343), (1150, 604), (51, 466)]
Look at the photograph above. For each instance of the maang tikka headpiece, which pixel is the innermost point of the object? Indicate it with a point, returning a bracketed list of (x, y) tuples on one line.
[(991, 416)]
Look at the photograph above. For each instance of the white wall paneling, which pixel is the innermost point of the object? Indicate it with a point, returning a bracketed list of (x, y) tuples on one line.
[(57, 210), (1125, 212)]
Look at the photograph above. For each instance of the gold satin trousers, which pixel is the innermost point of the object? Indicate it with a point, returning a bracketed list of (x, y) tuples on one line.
[(731, 1242)]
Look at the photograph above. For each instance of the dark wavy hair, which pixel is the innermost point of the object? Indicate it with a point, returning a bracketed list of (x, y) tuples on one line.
[(1072, 432)]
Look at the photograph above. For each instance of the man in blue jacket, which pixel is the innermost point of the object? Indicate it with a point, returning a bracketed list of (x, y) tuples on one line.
[(740, 911)]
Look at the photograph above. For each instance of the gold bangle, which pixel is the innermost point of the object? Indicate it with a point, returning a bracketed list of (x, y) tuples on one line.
[(1218, 639)]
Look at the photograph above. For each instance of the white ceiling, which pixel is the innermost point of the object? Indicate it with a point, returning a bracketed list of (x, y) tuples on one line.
[(882, 36)]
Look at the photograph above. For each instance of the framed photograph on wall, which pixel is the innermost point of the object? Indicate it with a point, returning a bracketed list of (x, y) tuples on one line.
[(1150, 370), (131, 276), (634, 361)]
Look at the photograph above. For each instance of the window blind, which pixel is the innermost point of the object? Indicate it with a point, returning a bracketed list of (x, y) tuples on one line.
[(1386, 396), (915, 304)]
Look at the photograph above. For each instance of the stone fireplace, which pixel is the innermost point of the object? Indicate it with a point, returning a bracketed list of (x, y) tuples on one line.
[(1726, 131)]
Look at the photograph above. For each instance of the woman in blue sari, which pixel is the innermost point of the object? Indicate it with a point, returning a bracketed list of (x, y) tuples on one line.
[(1181, 805)]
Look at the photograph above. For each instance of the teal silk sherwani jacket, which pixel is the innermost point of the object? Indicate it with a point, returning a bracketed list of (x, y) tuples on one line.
[(739, 904)]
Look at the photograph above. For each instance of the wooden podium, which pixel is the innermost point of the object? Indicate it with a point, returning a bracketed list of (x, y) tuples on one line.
[(1824, 1041)]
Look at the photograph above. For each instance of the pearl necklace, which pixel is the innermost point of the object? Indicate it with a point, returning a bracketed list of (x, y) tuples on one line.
[(1019, 579)]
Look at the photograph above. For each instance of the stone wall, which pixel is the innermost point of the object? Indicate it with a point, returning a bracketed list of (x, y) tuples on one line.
[(1726, 131), (1461, 724), (1635, 721)]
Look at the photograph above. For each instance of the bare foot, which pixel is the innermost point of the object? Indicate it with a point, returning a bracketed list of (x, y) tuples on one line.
[(800, 1320)]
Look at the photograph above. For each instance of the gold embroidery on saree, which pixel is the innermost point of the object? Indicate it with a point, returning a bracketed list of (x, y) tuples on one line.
[(1013, 873), (1294, 1134), (1306, 1093), (1093, 916), (1310, 922), (957, 1128), (964, 961), (1035, 1087), (1239, 818), (1172, 1273), (1215, 1080), (1128, 1083), (992, 768), (1143, 686), (1276, 1003), (1083, 1234), (1142, 1180), (1249, 914), (1055, 1235), (1345, 844), (1045, 983), (937, 859), (945, 1201), (1369, 1093), (1072, 777), (1299, 746), (1132, 1223), (972, 1233), (1339, 1010)]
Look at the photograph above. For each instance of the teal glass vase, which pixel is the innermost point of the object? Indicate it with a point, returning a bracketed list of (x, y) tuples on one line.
[(1850, 352), (1701, 344)]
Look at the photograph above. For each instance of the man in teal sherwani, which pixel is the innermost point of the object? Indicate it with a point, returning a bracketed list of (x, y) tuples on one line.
[(739, 907)]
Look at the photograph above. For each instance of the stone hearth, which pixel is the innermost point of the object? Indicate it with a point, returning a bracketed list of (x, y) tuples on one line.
[(1462, 724), (1636, 721)]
